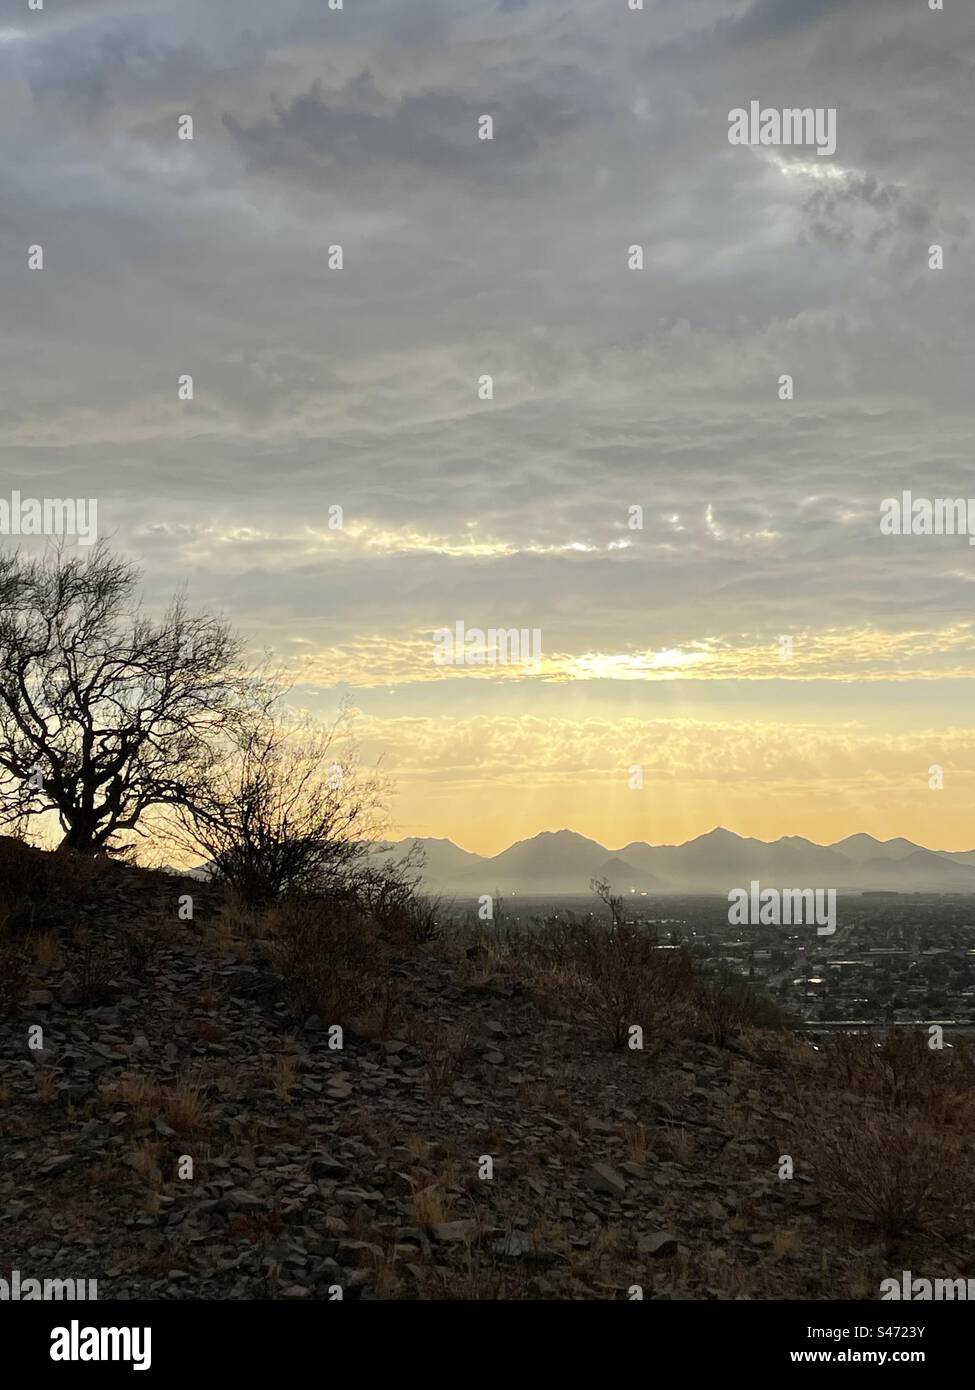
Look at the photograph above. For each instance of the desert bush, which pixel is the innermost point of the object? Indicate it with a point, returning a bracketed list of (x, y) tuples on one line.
[(899, 1072), (287, 811), (727, 1004), (331, 958), (391, 896), (614, 975), (141, 948), (40, 890), (92, 983), (893, 1171)]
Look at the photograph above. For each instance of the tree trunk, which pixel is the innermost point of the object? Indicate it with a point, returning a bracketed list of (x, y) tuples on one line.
[(80, 838)]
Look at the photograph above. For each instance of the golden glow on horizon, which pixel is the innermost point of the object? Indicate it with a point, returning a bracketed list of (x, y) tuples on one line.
[(842, 655), (487, 781)]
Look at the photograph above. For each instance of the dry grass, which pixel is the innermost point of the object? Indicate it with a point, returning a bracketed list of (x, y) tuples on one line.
[(183, 1108), (14, 979), (542, 1095), (284, 1076), (446, 1050), (675, 1144), (431, 1206), (420, 1148), (146, 1160), (45, 949), (180, 1106), (47, 1088), (637, 1143), (785, 1243)]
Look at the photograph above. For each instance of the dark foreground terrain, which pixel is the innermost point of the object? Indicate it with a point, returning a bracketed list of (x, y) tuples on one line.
[(365, 1166)]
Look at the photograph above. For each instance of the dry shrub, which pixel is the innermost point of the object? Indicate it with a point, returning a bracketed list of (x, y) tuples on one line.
[(141, 948), (400, 912), (727, 1005), (892, 1171), (900, 1072), (331, 959), (41, 890), (616, 976), (45, 949), (93, 979), (383, 1016)]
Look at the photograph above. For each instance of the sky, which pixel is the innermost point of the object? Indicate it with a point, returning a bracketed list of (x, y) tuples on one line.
[(317, 388)]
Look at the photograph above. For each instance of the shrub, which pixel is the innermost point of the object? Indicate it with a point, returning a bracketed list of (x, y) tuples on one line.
[(41, 890), (900, 1072), (615, 975), (893, 1170), (727, 1004), (331, 959), (287, 812)]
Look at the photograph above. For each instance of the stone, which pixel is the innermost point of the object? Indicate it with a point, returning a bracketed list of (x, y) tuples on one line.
[(448, 1232), (602, 1178), (663, 1243)]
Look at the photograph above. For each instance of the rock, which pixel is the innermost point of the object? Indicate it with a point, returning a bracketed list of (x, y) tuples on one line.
[(355, 1253), (513, 1244), (601, 1127), (240, 1200), (60, 1163), (602, 1178), (323, 1165), (663, 1243), (447, 1232)]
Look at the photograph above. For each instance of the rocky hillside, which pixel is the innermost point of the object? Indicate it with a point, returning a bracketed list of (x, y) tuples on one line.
[(365, 1167)]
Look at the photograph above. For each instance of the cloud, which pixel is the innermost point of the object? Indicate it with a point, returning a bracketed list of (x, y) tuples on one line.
[(613, 389)]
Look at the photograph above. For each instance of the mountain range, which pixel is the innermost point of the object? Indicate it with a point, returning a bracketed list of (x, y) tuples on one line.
[(562, 861)]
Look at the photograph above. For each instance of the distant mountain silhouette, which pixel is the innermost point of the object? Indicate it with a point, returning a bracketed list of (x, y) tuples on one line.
[(563, 861)]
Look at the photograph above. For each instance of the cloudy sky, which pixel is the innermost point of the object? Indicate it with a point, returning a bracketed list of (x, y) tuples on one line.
[(613, 388)]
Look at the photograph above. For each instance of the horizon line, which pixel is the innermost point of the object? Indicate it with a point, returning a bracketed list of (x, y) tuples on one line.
[(679, 844)]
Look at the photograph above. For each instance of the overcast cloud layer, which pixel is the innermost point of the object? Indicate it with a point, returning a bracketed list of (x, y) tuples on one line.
[(612, 387)]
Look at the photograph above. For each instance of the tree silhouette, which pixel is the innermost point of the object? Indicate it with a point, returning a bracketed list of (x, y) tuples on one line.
[(104, 712)]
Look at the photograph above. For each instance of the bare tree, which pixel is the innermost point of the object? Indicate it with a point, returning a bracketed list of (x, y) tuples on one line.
[(104, 712), (613, 901), (287, 810)]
